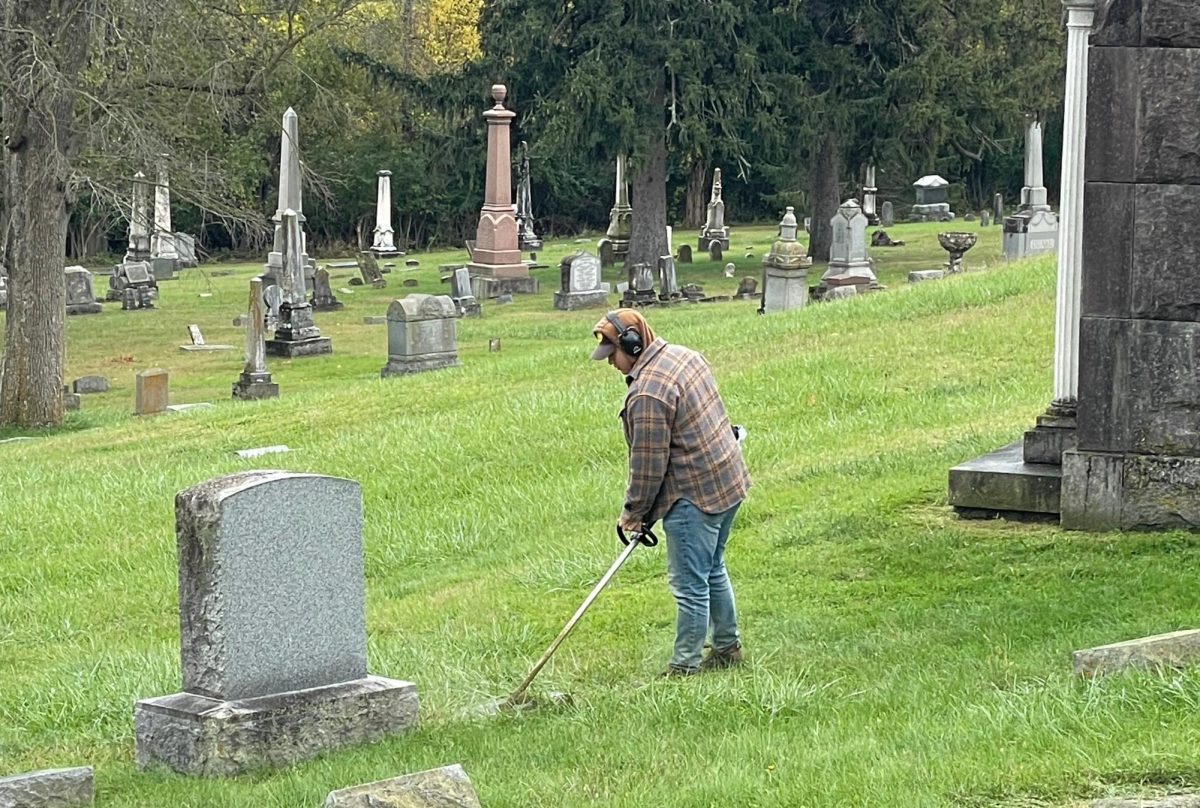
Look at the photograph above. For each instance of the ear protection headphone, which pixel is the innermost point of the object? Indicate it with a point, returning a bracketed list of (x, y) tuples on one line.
[(628, 340)]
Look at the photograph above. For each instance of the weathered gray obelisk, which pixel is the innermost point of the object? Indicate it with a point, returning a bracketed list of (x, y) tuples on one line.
[(255, 380), (164, 258), (295, 333)]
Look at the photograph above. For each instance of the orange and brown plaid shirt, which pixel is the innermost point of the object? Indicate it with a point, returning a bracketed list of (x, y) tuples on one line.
[(681, 444)]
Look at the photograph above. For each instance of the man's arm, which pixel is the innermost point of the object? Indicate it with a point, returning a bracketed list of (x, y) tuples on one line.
[(649, 450)]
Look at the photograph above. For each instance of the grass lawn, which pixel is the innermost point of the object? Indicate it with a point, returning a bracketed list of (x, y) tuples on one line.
[(898, 656)]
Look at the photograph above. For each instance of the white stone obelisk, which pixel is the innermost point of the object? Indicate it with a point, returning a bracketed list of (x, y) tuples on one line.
[(384, 241), (1033, 195), (290, 196), (1080, 17), (139, 222), (163, 242)]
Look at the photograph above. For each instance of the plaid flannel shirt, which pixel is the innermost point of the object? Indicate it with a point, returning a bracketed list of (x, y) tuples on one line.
[(681, 444)]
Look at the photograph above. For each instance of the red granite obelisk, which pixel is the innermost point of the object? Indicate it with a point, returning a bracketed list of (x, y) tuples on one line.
[(497, 254)]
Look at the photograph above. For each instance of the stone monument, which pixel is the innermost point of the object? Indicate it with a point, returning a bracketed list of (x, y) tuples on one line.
[(255, 380), (139, 222), (888, 217), (785, 269), (668, 286), (152, 392), (849, 264), (133, 284), (581, 284), (1033, 230), (463, 295), (640, 288), (383, 242), (185, 246), (1137, 461), (422, 335), (291, 197), (164, 258), (272, 630), (998, 208), (868, 193), (323, 298), (295, 332), (81, 299), (620, 218), (527, 238), (714, 229), (497, 252), (933, 200)]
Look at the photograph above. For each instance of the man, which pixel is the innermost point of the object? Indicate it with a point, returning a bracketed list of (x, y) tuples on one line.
[(685, 468)]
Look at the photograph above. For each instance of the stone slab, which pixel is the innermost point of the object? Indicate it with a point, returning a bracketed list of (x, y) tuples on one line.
[(1169, 801), (205, 347), (1174, 650), (447, 787), (207, 737), (840, 293), (375, 319), (572, 301), (90, 384), (404, 365), (49, 788), (1001, 483), (71, 401), (199, 405), (926, 275), (271, 584), (290, 349), (247, 454)]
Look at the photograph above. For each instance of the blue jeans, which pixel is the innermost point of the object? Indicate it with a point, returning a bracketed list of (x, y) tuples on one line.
[(696, 573)]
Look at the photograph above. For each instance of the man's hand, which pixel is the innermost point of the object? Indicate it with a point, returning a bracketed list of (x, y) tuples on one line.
[(629, 524)]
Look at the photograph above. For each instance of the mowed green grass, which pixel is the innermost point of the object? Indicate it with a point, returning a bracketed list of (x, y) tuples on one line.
[(898, 656)]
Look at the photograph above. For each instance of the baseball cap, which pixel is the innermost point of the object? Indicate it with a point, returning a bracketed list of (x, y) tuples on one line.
[(605, 349)]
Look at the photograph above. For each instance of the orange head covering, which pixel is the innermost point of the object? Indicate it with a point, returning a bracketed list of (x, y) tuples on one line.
[(631, 320)]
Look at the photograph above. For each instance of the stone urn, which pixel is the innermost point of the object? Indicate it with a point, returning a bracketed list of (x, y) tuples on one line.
[(957, 244)]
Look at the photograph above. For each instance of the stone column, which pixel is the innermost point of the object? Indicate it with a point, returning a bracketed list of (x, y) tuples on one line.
[(1033, 195), (620, 218), (255, 381), (139, 222), (869, 196), (497, 253), (1080, 17), (385, 237), (164, 235)]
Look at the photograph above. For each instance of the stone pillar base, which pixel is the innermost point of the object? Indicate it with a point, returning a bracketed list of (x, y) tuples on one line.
[(1046, 442), (486, 287), (207, 737), (254, 386), (1002, 484), (403, 365), (1115, 491), (570, 301), (501, 271), (314, 346), (784, 289)]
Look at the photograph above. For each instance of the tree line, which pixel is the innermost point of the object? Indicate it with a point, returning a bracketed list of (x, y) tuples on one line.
[(791, 98)]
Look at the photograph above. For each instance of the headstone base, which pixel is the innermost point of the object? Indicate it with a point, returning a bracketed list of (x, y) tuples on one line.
[(1105, 491), (784, 289), (570, 301), (500, 271), (939, 212), (51, 788), (314, 346), (489, 288), (404, 365), (632, 299), (255, 386), (85, 308), (1002, 484), (706, 241), (380, 253), (207, 737), (926, 275), (328, 305)]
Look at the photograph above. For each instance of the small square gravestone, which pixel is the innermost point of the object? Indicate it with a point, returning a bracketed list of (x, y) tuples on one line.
[(447, 787), (272, 630), (152, 392), (685, 254), (463, 295), (90, 384), (606, 252), (581, 284), (422, 335)]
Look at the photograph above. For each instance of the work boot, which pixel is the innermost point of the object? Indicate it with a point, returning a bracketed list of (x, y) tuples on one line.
[(716, 659), (673, 671)]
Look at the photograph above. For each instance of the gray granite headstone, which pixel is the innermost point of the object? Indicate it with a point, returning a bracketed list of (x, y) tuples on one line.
[(90, 384), (581, 284), (80, 297), (272, 629), (422, 334), (49, 788), (888, 217), (271, 584)]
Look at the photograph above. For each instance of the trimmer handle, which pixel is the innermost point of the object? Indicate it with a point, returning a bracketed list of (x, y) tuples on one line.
[(645, 536)]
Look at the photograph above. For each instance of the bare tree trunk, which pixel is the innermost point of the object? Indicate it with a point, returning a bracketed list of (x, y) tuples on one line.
[(695, 202), (824, 187), (648, 193), (44, 45)]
